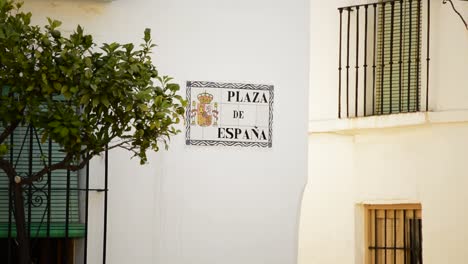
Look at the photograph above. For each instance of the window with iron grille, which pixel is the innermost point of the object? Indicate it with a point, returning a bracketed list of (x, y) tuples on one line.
[(393, 234), (398, 53), (379, 58), (51, 204)]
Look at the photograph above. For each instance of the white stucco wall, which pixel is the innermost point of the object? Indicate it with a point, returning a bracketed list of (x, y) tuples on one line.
[(207, 204), (393, 159), (424, 164)]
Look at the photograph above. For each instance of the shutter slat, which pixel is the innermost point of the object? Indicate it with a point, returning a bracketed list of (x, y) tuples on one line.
[(388, 78)]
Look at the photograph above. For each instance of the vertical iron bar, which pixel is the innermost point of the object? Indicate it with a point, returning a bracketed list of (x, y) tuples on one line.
[(67, 206), (427, 56), (365, 60), (86, 215), (339, 64), (347, 63), (373, 65), (420, 240), (410, 34), (412, 238), (376, 232), (10, 201), (385, 236), (357, 63), (106, 185), (31, 139), (67, 219), (413, 232), (49, 188), (394, 236), (392, 20), (401, 57), (418, 56), (410, 226), (404, 236), (383, 64)]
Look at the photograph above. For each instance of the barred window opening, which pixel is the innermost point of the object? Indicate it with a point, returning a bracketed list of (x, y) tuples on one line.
[(394, 234)]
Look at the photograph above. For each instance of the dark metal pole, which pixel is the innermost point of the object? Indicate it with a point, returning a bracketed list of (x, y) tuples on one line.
[(400, 62), (365, 59), (374, 61), (31, 139), (420, 240), (392, 20), (418, 58), (404, 235), (427, 56), (339, 64), (394, 236), (413, 232), (10, 201), (347, 63), (67, 219), (106, 174), (409, 50), (357, 64), (86, 215), (385, 236), (376, 237), (49, 188), (382, 72)]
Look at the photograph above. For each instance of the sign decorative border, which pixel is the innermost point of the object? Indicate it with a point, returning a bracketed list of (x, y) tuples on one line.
[(239, 86)]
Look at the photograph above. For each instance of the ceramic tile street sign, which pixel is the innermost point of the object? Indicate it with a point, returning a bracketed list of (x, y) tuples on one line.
[(229, 114)]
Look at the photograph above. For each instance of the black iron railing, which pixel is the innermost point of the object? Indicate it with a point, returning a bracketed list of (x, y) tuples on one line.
[(383, 42), (56, 206)]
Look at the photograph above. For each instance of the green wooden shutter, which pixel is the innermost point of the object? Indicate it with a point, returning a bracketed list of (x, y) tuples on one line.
[(391, 96), (39, 211)]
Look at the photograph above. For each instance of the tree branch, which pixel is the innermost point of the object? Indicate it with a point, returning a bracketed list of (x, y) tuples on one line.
[(8, 168), (456, 11), (8, 130), (65, 164), (120, 145), (62, 165)]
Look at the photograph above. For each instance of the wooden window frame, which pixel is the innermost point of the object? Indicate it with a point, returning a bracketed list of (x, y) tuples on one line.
[(369, 238)]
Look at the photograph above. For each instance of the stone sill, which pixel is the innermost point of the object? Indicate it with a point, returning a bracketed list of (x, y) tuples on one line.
[(348, 125)]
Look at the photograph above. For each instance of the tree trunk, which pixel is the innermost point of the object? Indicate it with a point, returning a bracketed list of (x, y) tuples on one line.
[(24, 252)]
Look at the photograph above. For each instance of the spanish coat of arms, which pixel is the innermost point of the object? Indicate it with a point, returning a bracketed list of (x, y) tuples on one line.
[(205, 112)]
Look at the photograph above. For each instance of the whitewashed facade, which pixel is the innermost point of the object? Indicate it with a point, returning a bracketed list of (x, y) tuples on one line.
[(391, 159), (205, 204)]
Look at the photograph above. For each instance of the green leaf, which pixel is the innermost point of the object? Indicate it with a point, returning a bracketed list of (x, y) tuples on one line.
[(30, 88), (105, 101), (64, 131), (143, 107), (3, 149), (44, 137), (129, 107), (95, 101), (56, 34), (147, 37), (64, 89), (84, 99), (173, 87), (88, 62), (54, 124), (74, 89)]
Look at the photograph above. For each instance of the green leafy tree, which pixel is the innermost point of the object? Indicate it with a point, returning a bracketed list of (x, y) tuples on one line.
[(83, 96)]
